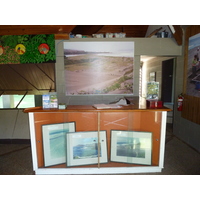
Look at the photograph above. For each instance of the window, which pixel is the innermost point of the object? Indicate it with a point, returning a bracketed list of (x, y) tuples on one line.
[(28, 101), (13, 101), (1, 102)]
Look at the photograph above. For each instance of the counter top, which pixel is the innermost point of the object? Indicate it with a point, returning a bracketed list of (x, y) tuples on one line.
[(90, 108), (136, 104)]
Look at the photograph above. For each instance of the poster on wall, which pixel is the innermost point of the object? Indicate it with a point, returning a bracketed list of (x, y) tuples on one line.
[(21, 49), (152, 90), (193, 67), (99, 67)]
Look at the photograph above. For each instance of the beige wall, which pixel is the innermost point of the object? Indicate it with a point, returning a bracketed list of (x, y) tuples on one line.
[(14, 124)]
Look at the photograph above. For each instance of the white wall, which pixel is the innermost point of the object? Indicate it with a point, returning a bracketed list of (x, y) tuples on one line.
[(14, 124)]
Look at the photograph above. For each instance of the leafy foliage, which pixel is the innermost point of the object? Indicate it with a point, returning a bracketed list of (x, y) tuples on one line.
[(9, 56), (31, 42)]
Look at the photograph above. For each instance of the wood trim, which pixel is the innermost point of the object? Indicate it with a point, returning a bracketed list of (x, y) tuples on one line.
[(35, 29), (90, 108), (185, 60), (178, 34), (62, 36), (191, 108)]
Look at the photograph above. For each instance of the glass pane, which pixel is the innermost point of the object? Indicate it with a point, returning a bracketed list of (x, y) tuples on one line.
[(1, 102), (27, 102)]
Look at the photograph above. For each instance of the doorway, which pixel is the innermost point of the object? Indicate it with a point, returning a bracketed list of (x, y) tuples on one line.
[(167, 86), (167, 80)]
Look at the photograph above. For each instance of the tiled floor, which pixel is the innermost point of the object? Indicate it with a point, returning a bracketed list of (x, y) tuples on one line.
[(180, 159)]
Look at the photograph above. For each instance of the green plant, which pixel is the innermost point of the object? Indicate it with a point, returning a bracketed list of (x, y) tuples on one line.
[(9, 56), (9, 41), (31, 43)]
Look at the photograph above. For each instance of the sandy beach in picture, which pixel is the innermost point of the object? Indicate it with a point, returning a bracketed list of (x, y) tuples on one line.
[(98, 72)]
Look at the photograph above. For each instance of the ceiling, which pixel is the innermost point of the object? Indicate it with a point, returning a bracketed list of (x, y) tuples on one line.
[(63, 31), (27, 78), (40, 78), (130, 30)]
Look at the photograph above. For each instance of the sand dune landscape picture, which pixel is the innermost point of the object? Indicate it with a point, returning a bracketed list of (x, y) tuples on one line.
[(99, 67)]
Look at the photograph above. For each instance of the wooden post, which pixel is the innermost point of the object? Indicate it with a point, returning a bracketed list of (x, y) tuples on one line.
[(98, 139)]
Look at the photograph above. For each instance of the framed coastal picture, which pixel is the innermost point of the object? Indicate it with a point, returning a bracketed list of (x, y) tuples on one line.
[(99, 67), (85, 148), (131, 147), (54, 142), (152, 76)]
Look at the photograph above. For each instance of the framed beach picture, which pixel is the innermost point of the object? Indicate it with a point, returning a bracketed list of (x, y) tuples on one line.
[(99, 67), (85, 148), (131, 147), (54, 142)]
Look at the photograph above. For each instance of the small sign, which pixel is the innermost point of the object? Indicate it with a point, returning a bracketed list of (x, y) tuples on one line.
[(20, 49), (49, 101), (43, 48)]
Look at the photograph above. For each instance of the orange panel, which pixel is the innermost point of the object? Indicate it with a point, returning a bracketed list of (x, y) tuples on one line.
[(83, 121), (149, 121)]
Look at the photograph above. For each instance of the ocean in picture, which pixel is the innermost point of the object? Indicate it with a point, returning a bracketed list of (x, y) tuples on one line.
[(57, 143), (85, 148), (130, 147)]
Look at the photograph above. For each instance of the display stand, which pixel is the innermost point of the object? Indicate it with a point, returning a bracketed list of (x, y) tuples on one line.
[(134, 120)]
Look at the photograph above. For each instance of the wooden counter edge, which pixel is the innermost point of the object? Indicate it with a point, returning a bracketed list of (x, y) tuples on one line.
[(86, 108)]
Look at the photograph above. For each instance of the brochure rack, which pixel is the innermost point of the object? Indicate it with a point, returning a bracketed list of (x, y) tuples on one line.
[(133, 120)]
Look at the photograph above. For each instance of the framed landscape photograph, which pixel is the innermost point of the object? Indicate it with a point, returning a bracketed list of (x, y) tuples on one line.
[(54, 142), (99, 67), (131, 147), (82, 148), (152, 76)]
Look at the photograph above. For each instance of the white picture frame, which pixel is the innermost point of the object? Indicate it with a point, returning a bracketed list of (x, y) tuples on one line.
[(54, 142), (132, 147), (82, 148)]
